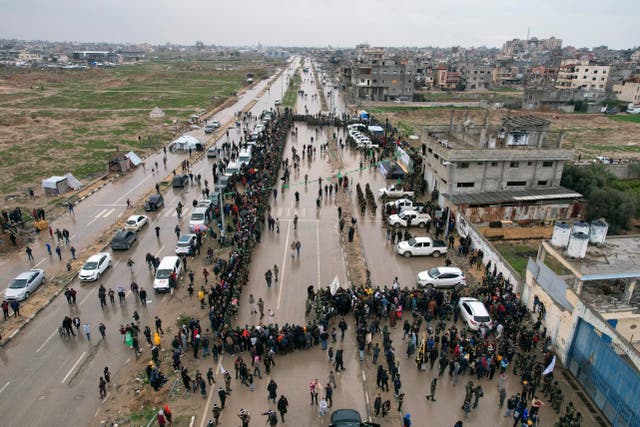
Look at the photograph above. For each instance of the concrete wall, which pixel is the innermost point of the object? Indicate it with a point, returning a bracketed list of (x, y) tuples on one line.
[(619, 170), (541, 212), (478, 241)]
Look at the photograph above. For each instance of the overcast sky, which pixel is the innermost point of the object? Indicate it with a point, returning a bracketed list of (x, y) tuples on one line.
[(342, 23)]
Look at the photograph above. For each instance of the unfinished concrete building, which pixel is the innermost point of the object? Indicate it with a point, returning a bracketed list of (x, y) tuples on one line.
[(583, 285), (506, 172)]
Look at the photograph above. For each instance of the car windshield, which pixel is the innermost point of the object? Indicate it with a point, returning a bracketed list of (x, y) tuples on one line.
[(434, 272), (131, 222), (163, 274), (18, 284), (197, 217), (412, 242), (90, 266), (402, 215)]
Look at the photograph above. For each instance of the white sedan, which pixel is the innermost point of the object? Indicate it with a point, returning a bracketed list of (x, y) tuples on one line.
[(95, 266), (136, 222), (474, 313), (23, 285)]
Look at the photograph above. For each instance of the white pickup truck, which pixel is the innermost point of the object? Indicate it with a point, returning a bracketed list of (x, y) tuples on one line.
[(394, 192), (421, 246), (409, 218), (406, 204)]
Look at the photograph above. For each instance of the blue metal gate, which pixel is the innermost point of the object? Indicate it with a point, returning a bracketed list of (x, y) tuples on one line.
[(612, 382)]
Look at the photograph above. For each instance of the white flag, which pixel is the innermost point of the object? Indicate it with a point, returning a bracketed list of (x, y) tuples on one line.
[(549, 368), (334, 286)]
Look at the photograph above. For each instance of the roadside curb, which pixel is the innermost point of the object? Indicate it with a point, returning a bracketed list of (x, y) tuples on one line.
[(96, 189)]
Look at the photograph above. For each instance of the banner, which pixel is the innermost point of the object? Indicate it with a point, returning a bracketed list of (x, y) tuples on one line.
[(334, 286), (549, 368)]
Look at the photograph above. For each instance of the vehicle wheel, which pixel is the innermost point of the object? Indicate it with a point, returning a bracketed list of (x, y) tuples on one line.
[(98, 276), (26, 295), (429, 286), (407, 254), (422, 224), (43, 280), (109, 264), (436, 254)]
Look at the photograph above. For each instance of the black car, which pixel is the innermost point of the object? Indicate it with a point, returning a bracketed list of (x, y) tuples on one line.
[(154, 202), (179, 181), (348, 418), (123, 240)]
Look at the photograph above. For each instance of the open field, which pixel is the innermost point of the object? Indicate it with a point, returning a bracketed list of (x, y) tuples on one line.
[(614, 136), (54, 122)]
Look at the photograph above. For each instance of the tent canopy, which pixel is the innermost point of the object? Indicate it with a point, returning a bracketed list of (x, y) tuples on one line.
[(73, 182), (391, 170), (133, 158), (52, 182), (185, 142)]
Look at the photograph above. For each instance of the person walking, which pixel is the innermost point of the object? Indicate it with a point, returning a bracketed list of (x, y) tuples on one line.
[(275, 270), (103, 330), (314, 388), (29, 252), (268, 277), (15, 306), (48, 246), (102, 388), (272, 388), (377, 404), (283, 404), (298, 246), (432, 395), (328, 394), (86, 330), (223, 396), (159, 325)]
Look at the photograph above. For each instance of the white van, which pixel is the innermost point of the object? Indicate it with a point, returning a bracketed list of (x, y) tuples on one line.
[(198, 220), (168, 265), (244, 156), (232, 167)]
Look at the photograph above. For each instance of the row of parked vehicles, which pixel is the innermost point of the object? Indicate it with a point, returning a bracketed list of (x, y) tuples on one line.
[(361, 140)]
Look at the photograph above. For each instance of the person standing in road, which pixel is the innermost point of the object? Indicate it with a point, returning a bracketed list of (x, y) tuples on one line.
[(177, 231), (15, 306), (328, 393), (314, 388), (268, 278), (298, 246), (5, 309), (159, 325), (29, 252), (432, 395), (377, 404), (143, 296), (131, 264), (102, 388), (48, 246), (157, 231), (102, 296), (59, 252), (103, 330), (272, 388), (276, 270), (261, 307), (86, 330), (73, 252), (107, 374), (339, 360), (283, 404), (223, 396)]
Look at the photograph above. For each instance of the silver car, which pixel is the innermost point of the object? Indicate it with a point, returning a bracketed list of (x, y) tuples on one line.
[(24, 285)]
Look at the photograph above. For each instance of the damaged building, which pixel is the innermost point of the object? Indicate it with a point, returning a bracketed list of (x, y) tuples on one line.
[(583, 285), (507, 172)]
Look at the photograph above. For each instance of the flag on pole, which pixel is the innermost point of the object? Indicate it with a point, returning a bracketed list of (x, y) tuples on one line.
[(549, 368), (334, 286)]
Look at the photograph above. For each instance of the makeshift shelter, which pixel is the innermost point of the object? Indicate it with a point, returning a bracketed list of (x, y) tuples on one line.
[(364, 115), (156, 113), (119, 164), (73, 182), (133, 158), (55, 185), (391, 170), (186, 142)]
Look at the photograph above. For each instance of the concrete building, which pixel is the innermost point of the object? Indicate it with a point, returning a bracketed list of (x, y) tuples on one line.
[(445, 79), (95, 56), (582, 75), (530, 46), (376, 76), (552, 98), (628, 91), (585, 296), (498, 172), (476, 76)]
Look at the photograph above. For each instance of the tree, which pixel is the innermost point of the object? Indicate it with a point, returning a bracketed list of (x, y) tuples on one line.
[(615, 206)]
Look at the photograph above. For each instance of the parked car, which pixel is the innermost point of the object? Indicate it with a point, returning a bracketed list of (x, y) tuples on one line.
[(441, 277), (123, 240), (394, 192), (95, 266), (187, 244), (406, 204), (277, 102), (209, 129), (136, 222), (215, 124), (168, 266), (474, 313), (180, 180), (212, 152), (198, 219), (402, 219), (421, 246), (154, 202), (349, 418), (22, 286)]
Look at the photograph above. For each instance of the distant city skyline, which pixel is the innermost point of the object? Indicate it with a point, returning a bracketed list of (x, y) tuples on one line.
[(339, 23)]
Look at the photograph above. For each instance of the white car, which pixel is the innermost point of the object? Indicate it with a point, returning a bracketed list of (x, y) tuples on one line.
[(186, 245), (198, 220), (22, 286), (136, 222), (95, 266), (421, 246), (417, 219), (395, 192), (474, 313), (441, 277), (277, 102)]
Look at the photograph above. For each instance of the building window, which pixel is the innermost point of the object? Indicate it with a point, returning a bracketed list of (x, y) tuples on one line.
[(529, 163), (542, 182), (547, 164), (479, 163), (465, 184), (463, 165), (516, 183), (494, 164), (514, 164)]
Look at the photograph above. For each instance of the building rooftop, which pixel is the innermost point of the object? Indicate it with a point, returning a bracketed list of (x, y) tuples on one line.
[(524, 122), (617, 258), (514, 196)]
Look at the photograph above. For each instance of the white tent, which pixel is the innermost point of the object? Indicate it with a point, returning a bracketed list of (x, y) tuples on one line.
[(73, 182), (55, 185), (156, 113), (185, 142), (133, 158)]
